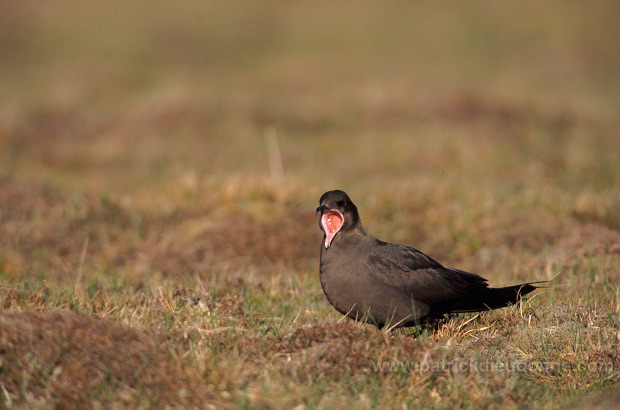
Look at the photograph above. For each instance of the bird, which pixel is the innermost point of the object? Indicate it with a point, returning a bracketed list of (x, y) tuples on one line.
[(390, 285)]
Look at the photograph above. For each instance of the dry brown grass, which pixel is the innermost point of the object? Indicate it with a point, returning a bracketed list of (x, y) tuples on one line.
[(153, 255), (62, 357)]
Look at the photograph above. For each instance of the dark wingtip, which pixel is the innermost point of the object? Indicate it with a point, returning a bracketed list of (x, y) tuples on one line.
[(532, 286), (529, 287)]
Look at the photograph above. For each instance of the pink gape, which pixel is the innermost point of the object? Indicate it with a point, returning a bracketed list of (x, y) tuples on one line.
[(331, 221)]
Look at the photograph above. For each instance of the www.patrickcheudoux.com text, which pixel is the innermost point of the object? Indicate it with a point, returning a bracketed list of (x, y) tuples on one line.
[(474, 366)]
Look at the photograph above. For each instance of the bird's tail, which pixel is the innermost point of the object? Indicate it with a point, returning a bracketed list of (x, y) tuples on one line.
[(489, 298)]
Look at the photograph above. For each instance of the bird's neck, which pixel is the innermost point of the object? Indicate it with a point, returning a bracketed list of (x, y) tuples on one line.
[(353, 234), (354, 226)]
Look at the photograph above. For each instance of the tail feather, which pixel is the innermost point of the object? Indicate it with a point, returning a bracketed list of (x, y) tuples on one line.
[(487, 299)]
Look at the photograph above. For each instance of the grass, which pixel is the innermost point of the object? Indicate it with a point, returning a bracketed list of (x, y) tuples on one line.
[(159, 168)]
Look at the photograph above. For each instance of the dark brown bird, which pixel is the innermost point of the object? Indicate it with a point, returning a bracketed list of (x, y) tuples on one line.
[(394, 285)]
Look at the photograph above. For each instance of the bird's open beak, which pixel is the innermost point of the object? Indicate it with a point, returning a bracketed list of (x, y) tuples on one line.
[(331, 222), (320, 208)]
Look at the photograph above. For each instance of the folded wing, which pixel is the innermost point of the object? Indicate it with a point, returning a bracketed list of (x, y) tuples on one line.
[(445, 290)]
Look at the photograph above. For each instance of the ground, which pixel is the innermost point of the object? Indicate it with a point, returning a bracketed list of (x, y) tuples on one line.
[(160, 166)]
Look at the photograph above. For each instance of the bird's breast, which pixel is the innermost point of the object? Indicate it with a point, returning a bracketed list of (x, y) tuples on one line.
[(354, 290)]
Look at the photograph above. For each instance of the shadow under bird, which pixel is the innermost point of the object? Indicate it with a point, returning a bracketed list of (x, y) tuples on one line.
[(394, 285)]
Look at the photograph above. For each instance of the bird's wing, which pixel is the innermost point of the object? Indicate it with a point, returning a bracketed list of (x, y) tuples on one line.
[(418, 274)]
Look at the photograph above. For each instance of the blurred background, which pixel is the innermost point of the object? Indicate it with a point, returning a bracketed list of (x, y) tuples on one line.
[(160, 164), (477, 123)]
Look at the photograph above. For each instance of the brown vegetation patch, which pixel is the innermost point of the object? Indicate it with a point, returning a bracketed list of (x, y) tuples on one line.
[(588, 240), (141, 241), (235, 242), (65, 358)]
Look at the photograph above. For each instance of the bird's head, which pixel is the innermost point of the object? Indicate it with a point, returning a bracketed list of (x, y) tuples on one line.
[(338, 213)]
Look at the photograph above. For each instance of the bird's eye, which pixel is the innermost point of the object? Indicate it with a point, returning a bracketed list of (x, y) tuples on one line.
[(341, 203)]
